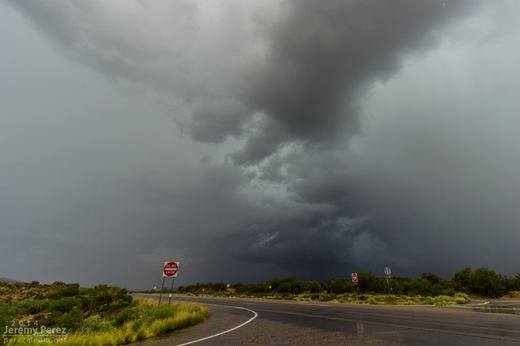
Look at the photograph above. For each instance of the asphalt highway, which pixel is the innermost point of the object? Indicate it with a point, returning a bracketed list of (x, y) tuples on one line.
[(270, 322)]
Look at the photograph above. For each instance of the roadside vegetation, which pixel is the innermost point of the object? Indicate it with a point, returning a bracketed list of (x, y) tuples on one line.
[(102, 315), (429, 289), (352, 298)]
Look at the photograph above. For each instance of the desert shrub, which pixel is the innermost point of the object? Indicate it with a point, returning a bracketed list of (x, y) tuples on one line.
[(314, 287), (426, 300), (443, 301), (315, 296), (389, 299), (44, 320), (63, 290), (106, 298), (124, 316), (71, 321), (64, 305), (460, 300), (486, 282), (462, 280), (163, 312), (372, 300), (463, 296), (327, 297), (450, 292), (335, 285), (32, 307), (94, 324), (197, 318)]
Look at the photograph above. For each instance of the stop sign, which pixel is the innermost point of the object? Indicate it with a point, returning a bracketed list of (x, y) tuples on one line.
[(170, 269), (354, 277)]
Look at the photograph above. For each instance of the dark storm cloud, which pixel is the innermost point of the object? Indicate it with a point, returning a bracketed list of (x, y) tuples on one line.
[(323, 56), (320, 58), (286, 171)]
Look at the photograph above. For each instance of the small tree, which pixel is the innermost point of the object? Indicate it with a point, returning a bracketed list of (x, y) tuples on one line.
[(487, 282), (461, 280), (431, 277), (314, 287)]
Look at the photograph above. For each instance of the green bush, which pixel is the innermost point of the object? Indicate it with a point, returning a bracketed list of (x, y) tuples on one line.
[(463, 296), (124, 316), (163, 312), (31, 307), (106, 298), (64, 305), (486, 282), (45, 320), (71, 321), (95, 324), (62, 290), (197, 318), (426, 300), (327, 297), (443, 301), (314, 287), (392, 300)]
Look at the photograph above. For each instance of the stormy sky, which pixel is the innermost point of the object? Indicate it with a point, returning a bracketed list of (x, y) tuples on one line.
[(253, 139)]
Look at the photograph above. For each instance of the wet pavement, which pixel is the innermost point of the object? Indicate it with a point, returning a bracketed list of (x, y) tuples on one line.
[(309, 323)]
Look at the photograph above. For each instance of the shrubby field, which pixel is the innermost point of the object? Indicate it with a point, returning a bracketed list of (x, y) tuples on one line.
[(102, 315), (481, 282)]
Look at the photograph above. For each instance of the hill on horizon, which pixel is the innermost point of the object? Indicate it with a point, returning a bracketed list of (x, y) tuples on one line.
[(11, 281)]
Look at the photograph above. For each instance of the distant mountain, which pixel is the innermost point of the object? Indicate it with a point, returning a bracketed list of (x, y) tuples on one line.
[(11, 281)]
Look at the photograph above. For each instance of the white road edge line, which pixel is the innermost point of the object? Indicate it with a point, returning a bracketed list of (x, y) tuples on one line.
[(227, 331)]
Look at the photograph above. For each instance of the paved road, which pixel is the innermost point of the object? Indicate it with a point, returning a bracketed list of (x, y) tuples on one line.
[(505, 306), (310, 323)]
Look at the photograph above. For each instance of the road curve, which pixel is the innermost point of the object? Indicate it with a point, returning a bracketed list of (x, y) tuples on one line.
[(221, 320), (311, 323)]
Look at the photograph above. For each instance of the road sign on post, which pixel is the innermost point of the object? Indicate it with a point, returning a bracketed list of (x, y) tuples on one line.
[(170, 269), (388, 279), (355, 283)]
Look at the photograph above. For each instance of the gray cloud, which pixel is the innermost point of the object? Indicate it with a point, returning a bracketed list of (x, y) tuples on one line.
[(314, 139), (324, 56)]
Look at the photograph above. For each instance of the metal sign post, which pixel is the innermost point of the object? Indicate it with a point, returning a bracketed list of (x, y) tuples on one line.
[(389, 279), (160, 296), (171, 290), (355, 284)]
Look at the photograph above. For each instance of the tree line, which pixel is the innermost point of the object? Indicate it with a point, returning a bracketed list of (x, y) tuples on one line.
[(481, 281)]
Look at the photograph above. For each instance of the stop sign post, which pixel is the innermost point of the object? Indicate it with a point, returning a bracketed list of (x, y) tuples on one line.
[(355, 283), (170, 270)]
